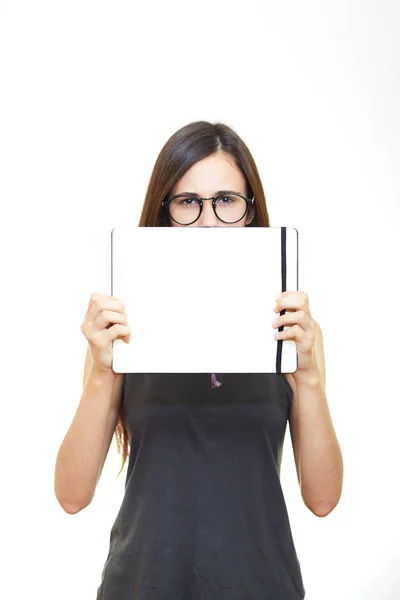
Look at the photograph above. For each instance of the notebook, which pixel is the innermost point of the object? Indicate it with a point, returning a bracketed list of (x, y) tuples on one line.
[(201, 300)]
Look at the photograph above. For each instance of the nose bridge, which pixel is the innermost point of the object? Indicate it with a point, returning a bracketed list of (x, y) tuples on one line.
[(208, 211)]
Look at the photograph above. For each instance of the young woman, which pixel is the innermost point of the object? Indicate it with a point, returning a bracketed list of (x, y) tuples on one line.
[(203, 515)]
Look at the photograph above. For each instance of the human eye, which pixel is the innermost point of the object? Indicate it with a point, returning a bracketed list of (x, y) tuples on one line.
[(225, 199), (186, 201)]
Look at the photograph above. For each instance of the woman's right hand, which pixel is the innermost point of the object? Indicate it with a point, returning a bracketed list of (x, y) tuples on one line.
[(104, 322)]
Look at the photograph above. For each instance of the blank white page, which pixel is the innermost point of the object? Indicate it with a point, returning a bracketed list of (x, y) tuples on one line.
[(201, 300)]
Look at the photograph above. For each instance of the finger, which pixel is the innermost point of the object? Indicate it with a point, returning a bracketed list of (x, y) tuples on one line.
[(104, 303), (107, 318), (293, 301), (96, 296), (117, 330), (295, 332), (292, 317)]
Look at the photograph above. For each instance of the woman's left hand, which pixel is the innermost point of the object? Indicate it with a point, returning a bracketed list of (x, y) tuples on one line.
[(302, 327)]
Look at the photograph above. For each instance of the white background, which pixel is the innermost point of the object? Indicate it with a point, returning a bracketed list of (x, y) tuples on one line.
[(90, 91)]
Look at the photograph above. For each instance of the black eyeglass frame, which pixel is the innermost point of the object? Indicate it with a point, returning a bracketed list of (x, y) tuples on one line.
[(165, 204)]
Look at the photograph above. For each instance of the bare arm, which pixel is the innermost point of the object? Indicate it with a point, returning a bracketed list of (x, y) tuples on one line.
[(82, 454)]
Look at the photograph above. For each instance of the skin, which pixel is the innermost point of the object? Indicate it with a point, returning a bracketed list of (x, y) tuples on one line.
[(206, 177)]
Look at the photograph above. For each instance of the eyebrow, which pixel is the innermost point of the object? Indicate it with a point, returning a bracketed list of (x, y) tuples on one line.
[(215, 193)]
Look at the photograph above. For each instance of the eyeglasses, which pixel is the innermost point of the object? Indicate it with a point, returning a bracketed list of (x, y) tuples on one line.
[(228, 208)]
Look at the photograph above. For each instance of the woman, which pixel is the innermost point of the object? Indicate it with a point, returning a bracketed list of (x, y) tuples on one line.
[(203, 515)]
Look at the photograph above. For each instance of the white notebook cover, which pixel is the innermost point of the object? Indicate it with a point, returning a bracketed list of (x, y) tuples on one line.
[(201, 300)]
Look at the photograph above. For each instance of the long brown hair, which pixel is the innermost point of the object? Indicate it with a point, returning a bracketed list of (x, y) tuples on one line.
[(184, 148)]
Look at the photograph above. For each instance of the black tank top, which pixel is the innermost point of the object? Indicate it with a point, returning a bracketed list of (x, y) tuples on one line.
[(203, 515)]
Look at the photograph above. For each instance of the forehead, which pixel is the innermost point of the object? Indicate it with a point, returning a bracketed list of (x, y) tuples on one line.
[(215, 172)]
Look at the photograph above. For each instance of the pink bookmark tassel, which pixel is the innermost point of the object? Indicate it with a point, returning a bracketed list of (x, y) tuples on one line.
[(214, 382)]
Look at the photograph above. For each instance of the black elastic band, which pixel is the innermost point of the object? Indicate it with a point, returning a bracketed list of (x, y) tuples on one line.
[(282, 312)]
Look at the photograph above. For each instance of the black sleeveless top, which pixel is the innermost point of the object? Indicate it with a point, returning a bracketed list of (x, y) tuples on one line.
[(203, 514)]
